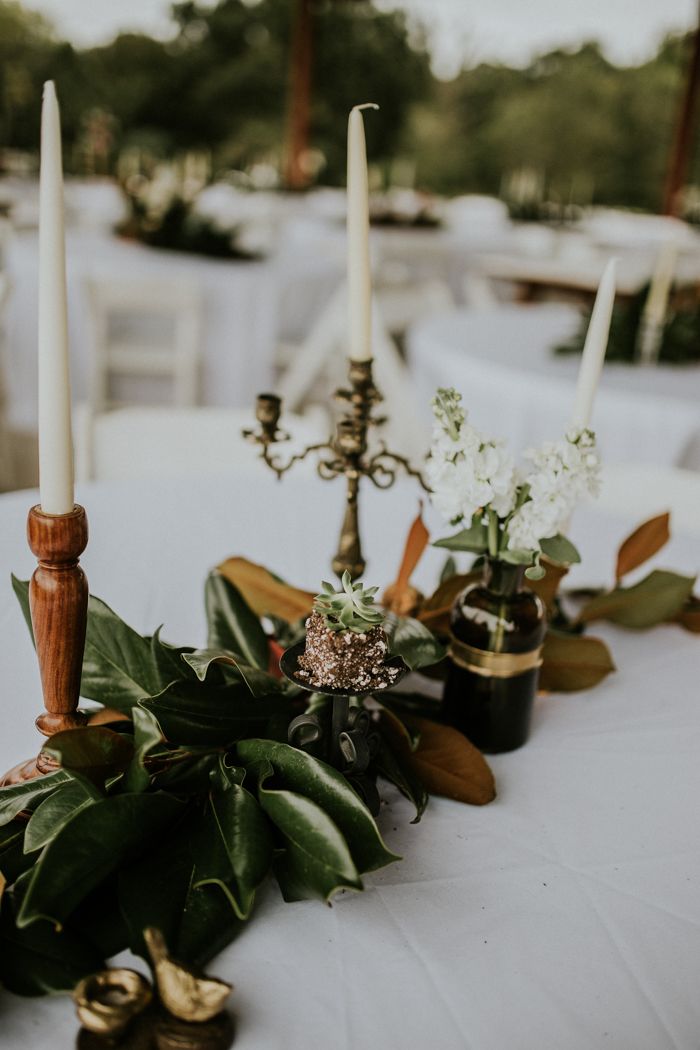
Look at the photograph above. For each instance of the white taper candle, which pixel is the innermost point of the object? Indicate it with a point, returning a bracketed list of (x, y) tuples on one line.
[(359, 272), (55, 440), (594, 348)]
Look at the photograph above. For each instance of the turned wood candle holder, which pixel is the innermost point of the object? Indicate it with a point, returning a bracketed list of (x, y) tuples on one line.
[(58, 600)]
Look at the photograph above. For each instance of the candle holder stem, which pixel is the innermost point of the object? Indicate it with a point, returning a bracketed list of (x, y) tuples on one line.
[(349, 554), (58, 600)]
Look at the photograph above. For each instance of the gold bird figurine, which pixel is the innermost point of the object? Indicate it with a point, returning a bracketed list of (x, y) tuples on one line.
[(183, 993)]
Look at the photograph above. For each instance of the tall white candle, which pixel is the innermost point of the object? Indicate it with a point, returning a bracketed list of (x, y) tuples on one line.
[(55, 441), (594, 348), (654, 314), (359, 273)]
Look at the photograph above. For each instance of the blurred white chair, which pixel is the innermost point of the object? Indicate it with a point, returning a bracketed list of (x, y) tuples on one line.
[(641, 491), (142, 442), (144, 330), (7, 469), (403, 298)]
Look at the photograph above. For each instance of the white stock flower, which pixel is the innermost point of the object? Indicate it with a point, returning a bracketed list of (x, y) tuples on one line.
[(562, 472), (466, 472)]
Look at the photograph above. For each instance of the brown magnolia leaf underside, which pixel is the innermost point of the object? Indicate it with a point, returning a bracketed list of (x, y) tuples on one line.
[(447, 763), (265, 594), (642, 544), (689, 616), (573, 662)]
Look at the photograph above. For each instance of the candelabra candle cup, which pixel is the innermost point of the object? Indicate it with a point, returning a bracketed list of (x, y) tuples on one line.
[(497, 630), (268, 409)]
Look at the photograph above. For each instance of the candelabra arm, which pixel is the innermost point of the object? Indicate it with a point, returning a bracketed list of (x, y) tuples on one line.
[(279, 468), (381, 469)]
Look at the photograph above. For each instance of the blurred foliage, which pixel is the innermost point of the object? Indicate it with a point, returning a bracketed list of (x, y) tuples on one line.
[(595, 130)]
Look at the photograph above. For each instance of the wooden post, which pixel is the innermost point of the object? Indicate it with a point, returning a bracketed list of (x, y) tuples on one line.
[(58, 599), (299, 96), (683, 137)]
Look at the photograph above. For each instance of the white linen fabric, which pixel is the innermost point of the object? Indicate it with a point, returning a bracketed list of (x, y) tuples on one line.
[(565, 914), (501, 360)]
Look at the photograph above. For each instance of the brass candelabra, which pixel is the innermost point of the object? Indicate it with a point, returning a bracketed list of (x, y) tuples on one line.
[(345, 453)]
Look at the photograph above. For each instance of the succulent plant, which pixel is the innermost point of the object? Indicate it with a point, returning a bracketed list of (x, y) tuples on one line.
[(349, 609)]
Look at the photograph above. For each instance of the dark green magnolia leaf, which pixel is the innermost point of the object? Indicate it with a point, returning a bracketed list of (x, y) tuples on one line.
[(658, 597), (94, 751), (474, 539), (13, 860), (389, 765), (238, 846), (90, 846), (147, 737), (413, 641), (259, 682), (55, 811), (189, 774), (560, 550), (168, 659), (516, 557), (329, 790), (20, 796), (159, 890), (316, 861), (233, 626), (118, 666), (98, 918), (39, 960), (21, 589), (196, 714), (572, 662)]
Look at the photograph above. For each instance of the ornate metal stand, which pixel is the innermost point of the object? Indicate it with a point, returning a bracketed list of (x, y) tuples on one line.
[(342, 734), (345, 454), (58, 597)]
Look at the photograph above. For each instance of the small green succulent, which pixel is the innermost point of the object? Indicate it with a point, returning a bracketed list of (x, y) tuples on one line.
[(350, 609)]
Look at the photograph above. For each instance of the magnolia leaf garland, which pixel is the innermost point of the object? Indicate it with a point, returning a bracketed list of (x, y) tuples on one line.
[(172, 814)]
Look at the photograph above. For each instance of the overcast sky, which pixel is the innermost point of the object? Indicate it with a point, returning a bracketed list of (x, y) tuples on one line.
[(510, 30)]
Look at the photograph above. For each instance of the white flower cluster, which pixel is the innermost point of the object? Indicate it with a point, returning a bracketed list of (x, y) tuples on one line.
[(561, 473), (467, 471)]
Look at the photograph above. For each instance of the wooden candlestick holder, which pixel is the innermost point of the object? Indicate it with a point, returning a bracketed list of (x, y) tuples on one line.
[(58, 600)]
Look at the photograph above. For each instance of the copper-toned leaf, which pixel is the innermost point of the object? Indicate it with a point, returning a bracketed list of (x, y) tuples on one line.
[(689, 616), (399, 596), (573, 662), (448, 764), (435, 610), (642, 544), (548, 587), (264, 593)]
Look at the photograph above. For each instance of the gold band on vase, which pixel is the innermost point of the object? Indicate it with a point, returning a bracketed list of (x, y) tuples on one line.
[(493, 665)]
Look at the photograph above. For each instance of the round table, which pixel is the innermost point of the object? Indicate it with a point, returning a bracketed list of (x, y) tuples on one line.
[(564, 914), (239, 321), (501, 359)]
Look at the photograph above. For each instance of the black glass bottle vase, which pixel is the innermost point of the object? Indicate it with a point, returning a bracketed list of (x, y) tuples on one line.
[(497, 630)]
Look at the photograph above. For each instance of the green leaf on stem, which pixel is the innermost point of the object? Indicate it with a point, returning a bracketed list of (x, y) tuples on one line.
[(19, 797), (54, 812), (413, 641), (192, 713), (474, 539), (327, 789), (147, 737), (517, 556), (21, 589), (660, 596), (93, 843), (560, 550), (239, 845), (258, 682), (94, 751), (233, 626)]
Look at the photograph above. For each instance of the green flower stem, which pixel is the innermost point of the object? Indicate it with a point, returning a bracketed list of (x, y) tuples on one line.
[(493, 533)]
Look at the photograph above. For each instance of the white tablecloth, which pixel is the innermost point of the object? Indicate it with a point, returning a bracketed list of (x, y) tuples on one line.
[(502, 361), (566, 914), (239, 315)]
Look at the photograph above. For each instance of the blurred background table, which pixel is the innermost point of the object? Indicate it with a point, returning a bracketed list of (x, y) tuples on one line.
[(568, 908), (513, 385)]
